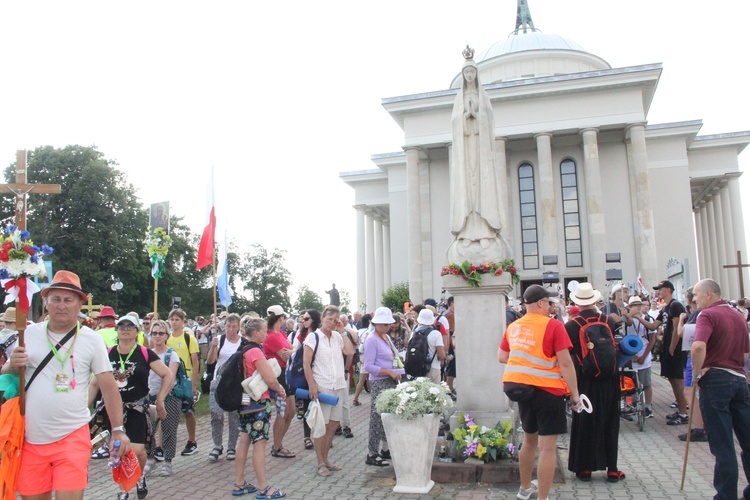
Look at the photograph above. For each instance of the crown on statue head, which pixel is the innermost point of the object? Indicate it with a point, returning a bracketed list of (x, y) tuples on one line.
[(468, 52)]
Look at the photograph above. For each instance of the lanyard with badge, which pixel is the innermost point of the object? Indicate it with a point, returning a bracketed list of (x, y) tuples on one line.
[(63, 381), (397, 363)]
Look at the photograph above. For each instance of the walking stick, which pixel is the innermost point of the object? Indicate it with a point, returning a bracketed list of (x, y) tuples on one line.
[(687, 439)]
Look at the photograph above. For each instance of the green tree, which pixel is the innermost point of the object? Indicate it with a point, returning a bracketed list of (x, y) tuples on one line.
[(345, 301), (307, 299), (267, 280), (395, 296)]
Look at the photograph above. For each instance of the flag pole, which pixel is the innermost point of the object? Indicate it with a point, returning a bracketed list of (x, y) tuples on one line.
[(213, 265)]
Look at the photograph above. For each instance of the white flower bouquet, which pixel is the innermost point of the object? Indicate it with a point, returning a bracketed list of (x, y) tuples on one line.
[(413, 399)]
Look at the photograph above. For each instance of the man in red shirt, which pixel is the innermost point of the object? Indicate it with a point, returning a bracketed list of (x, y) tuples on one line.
[(719, 353)]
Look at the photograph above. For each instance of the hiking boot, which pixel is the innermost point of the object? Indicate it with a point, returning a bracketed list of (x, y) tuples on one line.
[(159, 454), (525, 494), (696, 435), (190, 449), (348, 432), (166, 470), (649, 413), (679, 420), (149, 466), (142, 488)]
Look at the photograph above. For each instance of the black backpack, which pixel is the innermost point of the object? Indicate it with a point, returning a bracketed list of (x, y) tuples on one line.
[(230, 375), (598, 357), (417, 363), (295, 370)]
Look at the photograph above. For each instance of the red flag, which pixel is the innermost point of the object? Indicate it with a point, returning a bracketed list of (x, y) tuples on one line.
[(206, 248)]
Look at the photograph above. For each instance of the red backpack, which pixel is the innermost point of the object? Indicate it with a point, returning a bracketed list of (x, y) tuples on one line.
[(598, 357)]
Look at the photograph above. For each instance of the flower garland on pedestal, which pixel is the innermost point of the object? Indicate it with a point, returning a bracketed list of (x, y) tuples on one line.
[(482, 442), (157, 246), (20, 259), (473, 272)]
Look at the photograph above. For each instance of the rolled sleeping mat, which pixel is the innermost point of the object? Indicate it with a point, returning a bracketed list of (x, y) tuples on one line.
[(328, 399), (629, 347)]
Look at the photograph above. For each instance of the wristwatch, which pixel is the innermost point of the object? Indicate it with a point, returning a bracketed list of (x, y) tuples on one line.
[(118, 428)]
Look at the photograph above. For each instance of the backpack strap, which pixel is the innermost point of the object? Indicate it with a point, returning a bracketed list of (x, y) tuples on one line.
[(222, 339), (49, 356), (144, 351), (187, 340)]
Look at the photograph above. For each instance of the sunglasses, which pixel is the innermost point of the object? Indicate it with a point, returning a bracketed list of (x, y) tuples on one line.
[(129, 327), (159, 333), (306, 319)]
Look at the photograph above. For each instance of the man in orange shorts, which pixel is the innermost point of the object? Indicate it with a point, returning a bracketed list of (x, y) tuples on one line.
[(57, 444)]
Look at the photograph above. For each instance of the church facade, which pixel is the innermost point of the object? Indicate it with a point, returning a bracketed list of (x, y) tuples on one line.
[(592, 190)]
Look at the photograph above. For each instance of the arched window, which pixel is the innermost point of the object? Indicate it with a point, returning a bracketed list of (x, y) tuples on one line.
[(529, 238), (571, 214)]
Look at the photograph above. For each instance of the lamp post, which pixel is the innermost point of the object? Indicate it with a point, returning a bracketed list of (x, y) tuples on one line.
[(116, 287)]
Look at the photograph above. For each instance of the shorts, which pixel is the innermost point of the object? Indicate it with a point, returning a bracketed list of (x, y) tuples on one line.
[(59, 466), (256, 425), (282, 380), (188, 407), (543, 414), (203, 351), (136, 425), (689, 373), (335, 413), (644, 377), (673, 366)]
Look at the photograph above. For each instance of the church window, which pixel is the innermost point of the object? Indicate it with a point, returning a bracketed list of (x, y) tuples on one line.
[(529, 236), (571, 218)]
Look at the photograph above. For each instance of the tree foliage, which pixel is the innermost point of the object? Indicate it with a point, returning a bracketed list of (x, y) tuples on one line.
[(395, 296), (307, 299), (266, 279)]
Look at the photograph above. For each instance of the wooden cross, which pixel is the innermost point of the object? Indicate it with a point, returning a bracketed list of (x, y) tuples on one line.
[(21, 189), (739, 265), (90, 307)]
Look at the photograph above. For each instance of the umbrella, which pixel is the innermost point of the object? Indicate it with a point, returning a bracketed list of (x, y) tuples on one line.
[(12, 426)]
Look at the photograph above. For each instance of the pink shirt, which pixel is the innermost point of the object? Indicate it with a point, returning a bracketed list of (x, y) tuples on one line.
[(251, 356), (276, 341)]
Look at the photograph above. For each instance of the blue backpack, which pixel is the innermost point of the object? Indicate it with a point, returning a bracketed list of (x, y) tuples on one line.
[(295, 371), (183, 386)]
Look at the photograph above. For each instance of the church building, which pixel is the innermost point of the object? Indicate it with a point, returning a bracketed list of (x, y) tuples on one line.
[(594, 191)]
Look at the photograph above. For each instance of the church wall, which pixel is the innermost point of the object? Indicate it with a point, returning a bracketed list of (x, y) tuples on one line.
[(712, 162), (431, 127), (372, 193), (398, 224)]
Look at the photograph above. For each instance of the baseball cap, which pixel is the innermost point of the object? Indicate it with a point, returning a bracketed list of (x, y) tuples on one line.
[(664, 284), (276, 311), (535, 293)]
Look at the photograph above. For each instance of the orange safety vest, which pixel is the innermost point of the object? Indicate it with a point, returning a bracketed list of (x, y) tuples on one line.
[(527, 363)]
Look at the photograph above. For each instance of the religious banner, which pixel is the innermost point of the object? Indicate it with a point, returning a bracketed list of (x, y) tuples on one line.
[(159, 216), (157, 246)]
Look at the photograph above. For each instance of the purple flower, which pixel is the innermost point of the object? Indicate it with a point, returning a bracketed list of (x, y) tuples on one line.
[(4, 274), (35, 248), (34, 259), (47, 250), (25, 235), (10, 228), (469, 420)]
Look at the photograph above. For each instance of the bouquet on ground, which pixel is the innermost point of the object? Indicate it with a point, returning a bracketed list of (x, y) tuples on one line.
[(483, 443), (20, 259), (473, 272), (413, 399)]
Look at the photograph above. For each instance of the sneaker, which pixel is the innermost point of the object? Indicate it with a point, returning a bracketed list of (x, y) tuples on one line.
[(625, 416), (123, 495), (649, 413), (142, 488), (376, 460), (385, 454), (348, 432), (526, 494), (149, 466), (679, 420), (339, 432), (672, 416), (166, 470), (190, 449), (159, 454), (696, 435)]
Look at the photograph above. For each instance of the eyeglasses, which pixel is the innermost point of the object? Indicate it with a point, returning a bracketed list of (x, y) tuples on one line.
[(157, 334), (129, 327)]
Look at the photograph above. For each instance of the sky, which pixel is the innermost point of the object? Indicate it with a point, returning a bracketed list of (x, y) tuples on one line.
[(280, 97)]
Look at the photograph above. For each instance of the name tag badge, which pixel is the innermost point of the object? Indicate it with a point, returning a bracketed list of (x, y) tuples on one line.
[(395, 362), (62, 382)]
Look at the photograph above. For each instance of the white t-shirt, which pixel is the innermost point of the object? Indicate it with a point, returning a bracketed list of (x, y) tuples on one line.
[(52, 415), (154, 380), (638, 329), (328, 367), (226, 351), (434, 339)]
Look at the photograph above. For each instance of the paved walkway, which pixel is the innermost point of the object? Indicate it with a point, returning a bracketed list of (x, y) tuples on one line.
[(651, 459)]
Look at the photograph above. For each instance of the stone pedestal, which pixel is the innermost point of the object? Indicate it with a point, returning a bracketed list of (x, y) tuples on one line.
[(479, 327)]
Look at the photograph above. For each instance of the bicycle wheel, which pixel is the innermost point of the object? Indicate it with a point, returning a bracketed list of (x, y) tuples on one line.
[(640, 409)]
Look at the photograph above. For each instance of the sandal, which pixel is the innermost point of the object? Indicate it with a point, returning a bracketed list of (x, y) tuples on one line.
[(323, 470), (264, 494), (332, 467), (356, 403), (238, 491), (584, 475), (102, 452), (214, 455), (615, 476), (282, 452), (309, 444), (230, 455)]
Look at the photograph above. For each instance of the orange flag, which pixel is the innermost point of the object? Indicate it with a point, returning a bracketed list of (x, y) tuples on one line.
[(12, 427)]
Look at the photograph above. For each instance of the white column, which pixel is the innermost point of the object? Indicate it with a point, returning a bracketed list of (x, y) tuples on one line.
[(378, 244), (738, 222), (547, 204), (699, 242), (370, 255), (732, 289), (501, 165), (361, 266), (595, 212), (714, 245), (720, 242), (414, 225), (387, 283), (426, 223), (645, 237), (706, 242)]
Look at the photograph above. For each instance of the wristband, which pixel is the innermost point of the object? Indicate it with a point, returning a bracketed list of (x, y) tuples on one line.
[(118, 428)]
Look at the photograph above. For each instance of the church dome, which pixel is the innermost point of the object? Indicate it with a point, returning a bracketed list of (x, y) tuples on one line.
[(531, 55)]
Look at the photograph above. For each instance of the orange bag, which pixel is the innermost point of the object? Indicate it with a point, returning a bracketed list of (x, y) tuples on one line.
[(128, 472)]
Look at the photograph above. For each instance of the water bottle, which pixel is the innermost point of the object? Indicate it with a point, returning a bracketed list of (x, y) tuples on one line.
[(280, 405), (114, 459)]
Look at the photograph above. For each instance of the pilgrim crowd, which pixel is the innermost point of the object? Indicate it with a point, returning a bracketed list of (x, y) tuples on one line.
[(137, 363)]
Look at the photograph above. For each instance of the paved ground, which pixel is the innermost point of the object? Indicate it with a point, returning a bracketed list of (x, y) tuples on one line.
[(651, 459)]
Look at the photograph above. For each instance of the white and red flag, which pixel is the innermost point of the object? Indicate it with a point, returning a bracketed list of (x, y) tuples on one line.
[(206, 248)]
